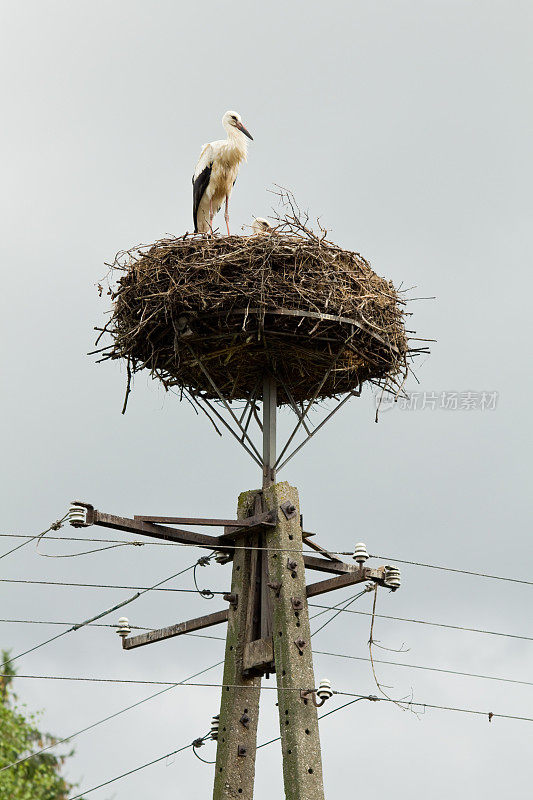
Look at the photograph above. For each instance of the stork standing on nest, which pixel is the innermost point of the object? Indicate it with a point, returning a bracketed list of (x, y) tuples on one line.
[(216, 173)]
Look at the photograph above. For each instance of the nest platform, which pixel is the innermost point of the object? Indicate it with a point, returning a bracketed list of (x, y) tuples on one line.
[(211, 316)]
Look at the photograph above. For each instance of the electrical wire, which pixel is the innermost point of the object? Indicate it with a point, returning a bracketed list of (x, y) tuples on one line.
[(86, 552), (274, 689), (98, 585), (433, 624), (130, 772), (344, 608), (110, 716), (430, 669), (277, 549), (331, 608), (107, 625), (317, 652), (207, 594), (98, 616), (450, 569), (55, 526), (198, 743), (181, 749), (56, 622), (490, 714), (356, 699), (311, 605), (171, 684), (140, 682), (321, 716), (138, 543)]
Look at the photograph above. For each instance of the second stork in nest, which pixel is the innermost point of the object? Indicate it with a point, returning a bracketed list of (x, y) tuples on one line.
[(216, 173)]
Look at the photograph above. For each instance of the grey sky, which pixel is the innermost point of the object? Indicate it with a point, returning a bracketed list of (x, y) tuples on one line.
[(407, 127)]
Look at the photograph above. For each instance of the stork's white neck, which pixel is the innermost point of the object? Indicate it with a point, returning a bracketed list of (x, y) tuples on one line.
[(237, 142)]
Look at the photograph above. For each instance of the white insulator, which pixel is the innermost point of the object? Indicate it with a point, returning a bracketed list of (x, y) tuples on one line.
[(123, 628), (215, 724), (392, 577), (221, 557), (324, 690), (77, 515), (360, 554)]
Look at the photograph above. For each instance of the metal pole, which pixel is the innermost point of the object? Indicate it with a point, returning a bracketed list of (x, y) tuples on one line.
[(269, 430)]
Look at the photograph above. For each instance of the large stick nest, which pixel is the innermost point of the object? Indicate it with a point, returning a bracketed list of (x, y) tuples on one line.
[(212, 315)]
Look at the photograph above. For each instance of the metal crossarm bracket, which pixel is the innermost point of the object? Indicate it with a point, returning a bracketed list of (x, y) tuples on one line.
[(175, 630), (358, 576), (155, 531), (221, 523), (327, 565)]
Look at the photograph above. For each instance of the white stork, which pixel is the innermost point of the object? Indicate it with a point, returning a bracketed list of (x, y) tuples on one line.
[(261, 225), (216, 172)]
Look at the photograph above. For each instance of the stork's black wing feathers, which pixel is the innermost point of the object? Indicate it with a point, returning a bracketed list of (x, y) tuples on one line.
[(199, 185)]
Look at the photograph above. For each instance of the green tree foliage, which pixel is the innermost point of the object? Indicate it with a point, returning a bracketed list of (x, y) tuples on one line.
[(38, 778)]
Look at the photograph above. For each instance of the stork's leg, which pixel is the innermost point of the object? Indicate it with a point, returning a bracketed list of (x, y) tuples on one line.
[(226, 214), (211, 216)]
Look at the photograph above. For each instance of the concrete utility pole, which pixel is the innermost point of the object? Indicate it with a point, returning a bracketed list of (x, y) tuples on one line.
[(266, 631), (268, 619), (239, 708), (293, 657)]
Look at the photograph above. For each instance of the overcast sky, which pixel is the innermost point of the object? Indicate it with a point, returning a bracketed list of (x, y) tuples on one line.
[(406, 126)]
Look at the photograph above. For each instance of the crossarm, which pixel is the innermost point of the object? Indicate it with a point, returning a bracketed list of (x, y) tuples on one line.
[(175, 630), (155, 531), (341, 581)]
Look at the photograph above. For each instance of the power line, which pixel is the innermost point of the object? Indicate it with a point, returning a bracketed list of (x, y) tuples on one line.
[(272, 688), (174, 752), (427, 622), (83, 679), (327, 714), (344, 608), (106, 625), (451, 569), (99, 585), (111, 716), (88, 539), (56, 622), (317, 652), (55, 526), (138, 543), (356, 699), (98, 616), (489, 714), (430, 669), (131, 771), (311, 605)]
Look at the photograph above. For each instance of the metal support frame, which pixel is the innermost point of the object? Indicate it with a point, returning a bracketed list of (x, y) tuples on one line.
[(269, 430), (239, 424)]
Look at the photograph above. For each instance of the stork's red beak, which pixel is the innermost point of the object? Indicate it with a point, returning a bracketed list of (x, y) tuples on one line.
[(241, 127)]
